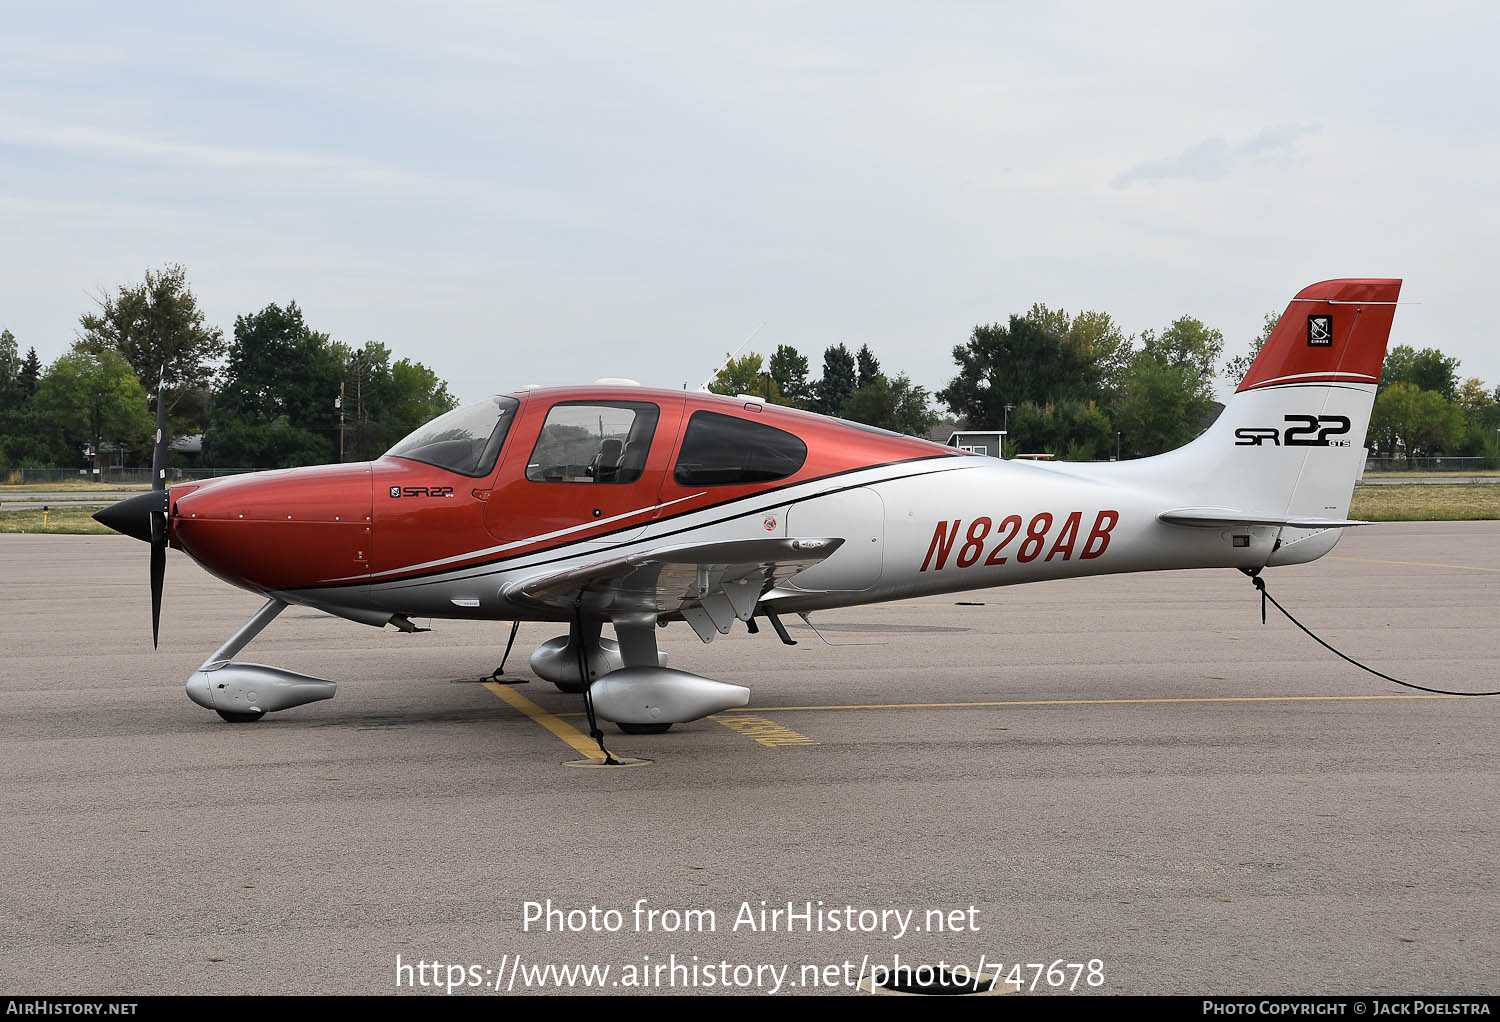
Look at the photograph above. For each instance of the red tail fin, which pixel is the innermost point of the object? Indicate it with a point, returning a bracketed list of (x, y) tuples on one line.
[(1333, 332)]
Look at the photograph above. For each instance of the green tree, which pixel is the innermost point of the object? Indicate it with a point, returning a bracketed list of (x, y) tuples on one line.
[(363, 368), (158, 324), (95, 399), (1428, 369), (743, 375), (1166, 404), (385, 401), (914, 414), (897, 405), (31, 372), (30, 440), (789, 370), (1027, 360), (11, 387), (1071, 430), (1236, 368), (26, 440), (1106, 349), (238, 443), (13, 402), (274, 406), (1103, 347), (1054, 321), (869, 366), (1168, 397), (277, 365), (1481, 420), (838, 381), (1475, 398), (412, 396), (1414, 421), (1187, 343)]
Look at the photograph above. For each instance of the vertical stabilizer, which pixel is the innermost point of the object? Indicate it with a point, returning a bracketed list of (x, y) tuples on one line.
[(1290, 443)]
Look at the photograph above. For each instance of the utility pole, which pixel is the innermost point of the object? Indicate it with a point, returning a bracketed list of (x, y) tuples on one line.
[(340, 404)]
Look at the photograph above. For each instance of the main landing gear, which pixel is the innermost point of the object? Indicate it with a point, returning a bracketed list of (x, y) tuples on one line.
[(626, 680)]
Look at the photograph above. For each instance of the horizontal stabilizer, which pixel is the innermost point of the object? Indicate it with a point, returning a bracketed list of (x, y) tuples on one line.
[(1220, 517)]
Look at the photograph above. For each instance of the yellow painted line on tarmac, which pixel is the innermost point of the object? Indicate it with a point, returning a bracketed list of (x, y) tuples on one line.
[(767, 732), (580, 742), (1000, 703), (1082, 702), (757, 728), (1412, 564)]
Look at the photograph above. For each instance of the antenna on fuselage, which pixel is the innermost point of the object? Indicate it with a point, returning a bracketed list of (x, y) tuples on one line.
[(728, 359)]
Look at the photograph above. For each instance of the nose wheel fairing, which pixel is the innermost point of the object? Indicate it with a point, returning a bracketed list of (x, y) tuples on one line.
[(245, 689), (246, 692)]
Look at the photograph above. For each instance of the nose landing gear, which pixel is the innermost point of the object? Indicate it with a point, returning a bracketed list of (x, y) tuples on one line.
[(244, 693)]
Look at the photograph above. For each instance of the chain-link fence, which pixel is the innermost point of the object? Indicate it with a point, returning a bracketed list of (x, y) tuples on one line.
[(113, 476), (1399, 464)]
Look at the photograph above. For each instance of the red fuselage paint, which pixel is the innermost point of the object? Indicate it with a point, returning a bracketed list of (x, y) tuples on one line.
[(311, 527)]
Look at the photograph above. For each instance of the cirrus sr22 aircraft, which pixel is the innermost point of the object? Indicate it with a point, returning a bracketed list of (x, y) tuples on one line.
[(641, 508)]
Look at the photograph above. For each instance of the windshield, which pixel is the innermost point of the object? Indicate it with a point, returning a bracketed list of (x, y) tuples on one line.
[(467, 440)]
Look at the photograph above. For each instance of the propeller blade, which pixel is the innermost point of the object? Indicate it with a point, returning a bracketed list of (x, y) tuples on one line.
[(159, 511), (159, 452), (144, 516), (158, 570)]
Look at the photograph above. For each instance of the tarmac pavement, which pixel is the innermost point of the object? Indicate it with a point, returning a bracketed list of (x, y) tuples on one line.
[(1131, 771)]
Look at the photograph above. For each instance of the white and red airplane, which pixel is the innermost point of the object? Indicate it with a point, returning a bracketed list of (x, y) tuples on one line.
[(638, 508)]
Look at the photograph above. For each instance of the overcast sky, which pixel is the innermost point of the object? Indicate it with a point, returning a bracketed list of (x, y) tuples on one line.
[(521, 193)]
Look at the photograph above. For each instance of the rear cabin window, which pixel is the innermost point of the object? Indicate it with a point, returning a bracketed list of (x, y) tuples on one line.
[(721, 450), (593, 442)]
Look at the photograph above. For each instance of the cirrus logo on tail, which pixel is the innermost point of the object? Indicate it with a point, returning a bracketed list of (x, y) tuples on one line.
[(1320, 331)]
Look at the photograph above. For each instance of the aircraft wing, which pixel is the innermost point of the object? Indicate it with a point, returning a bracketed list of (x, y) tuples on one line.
[(1220, 517), (709, 584)]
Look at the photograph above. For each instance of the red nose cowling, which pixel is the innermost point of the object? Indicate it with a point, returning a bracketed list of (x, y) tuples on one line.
[(282, 530)]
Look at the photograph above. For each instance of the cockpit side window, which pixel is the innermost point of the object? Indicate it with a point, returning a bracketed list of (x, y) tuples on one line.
[(593, 442), (722, 450)]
